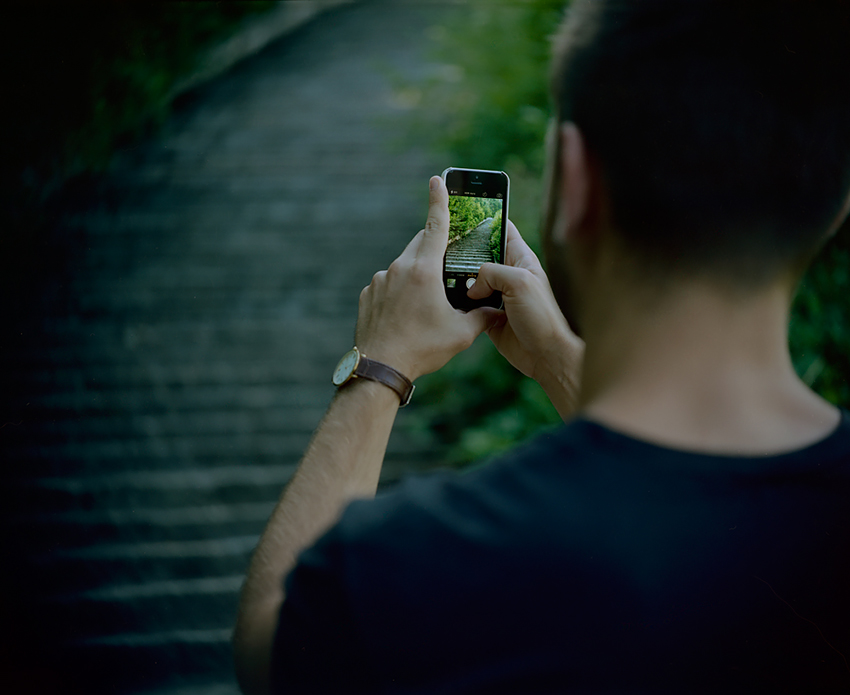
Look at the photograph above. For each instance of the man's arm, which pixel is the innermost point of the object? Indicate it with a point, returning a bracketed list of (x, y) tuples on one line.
[(342, 462), (406, 322)]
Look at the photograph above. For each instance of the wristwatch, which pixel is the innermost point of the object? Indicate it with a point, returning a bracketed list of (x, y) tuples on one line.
[(355, 364)]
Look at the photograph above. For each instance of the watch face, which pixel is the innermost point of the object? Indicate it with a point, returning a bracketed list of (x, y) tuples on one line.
[(346, 367)]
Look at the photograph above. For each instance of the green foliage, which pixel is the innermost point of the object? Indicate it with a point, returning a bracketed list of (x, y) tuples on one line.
[(465, 214), (481, 407), (496, 237), (819, 334), (492, 89)]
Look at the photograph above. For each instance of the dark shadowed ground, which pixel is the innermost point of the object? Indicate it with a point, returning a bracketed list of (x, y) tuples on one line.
[(162, 383)]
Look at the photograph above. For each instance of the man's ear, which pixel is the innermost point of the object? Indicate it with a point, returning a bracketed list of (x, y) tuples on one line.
[(575, 184)]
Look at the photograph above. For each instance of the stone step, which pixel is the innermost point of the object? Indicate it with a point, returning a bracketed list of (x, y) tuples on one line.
[(203, 603), (189, 487), (71, 460), (82, 550), (179, 341), (468, 245), (460, 254), (75, 529), (101, 566), (190, 662), (40, 378), (186, 487), (469, 257), (68, 426), (63, 462), (150, 399), (464, 267)]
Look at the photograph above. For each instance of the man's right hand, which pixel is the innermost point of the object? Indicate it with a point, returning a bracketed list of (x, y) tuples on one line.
[(532, 333)]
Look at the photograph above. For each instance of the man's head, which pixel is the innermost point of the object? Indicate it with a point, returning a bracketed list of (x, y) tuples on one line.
[(716, 132)]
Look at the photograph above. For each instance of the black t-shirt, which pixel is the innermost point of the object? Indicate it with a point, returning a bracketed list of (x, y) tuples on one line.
[(584, 562)]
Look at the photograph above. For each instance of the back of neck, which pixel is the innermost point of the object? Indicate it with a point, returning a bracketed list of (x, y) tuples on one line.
[(700, 370)]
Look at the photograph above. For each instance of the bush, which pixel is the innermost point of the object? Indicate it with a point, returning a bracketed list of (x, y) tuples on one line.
[(496, 237), (819, 334), (465, 214)]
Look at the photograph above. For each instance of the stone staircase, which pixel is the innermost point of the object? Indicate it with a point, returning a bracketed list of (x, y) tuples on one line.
[(465, 255), (161, 389)]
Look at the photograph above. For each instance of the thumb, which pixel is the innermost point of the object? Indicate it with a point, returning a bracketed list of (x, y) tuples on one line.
[(494, 277), (436, 233)]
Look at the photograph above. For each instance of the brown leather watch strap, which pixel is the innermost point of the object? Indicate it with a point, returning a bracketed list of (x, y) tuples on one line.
[(378, 371)]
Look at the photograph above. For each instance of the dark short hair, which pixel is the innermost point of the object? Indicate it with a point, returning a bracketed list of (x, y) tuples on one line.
[(721, 127)]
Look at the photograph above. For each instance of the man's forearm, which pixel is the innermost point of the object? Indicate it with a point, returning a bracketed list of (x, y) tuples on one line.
[(342, 462), (560, 376)]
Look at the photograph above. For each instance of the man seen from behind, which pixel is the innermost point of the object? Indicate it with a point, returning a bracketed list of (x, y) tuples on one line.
[(687, 530)]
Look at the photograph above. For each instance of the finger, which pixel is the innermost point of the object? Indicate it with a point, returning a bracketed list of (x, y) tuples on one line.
[(483, 319), (517, 252), (494, 277), (495, 317), (436, 233), (378, 279)]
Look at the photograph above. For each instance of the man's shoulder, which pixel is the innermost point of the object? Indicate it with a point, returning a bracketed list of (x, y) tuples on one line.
[(578, 511), (522, 476), (572, 466)]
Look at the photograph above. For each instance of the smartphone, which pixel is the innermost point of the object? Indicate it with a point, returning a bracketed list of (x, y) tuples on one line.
[(478, 218)]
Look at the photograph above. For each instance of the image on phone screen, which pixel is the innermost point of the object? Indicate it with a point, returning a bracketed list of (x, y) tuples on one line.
[(477, 201)]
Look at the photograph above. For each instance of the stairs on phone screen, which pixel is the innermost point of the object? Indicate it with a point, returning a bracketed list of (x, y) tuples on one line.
[(161, 388), (465, 255)]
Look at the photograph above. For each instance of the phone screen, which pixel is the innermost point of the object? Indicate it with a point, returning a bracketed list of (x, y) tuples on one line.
[(478, 203)]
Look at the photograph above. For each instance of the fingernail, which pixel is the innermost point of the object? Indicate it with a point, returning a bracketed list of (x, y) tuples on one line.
[(435, 181)]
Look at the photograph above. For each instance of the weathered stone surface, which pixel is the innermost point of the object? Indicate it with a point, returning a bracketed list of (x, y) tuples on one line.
[(165, 385)]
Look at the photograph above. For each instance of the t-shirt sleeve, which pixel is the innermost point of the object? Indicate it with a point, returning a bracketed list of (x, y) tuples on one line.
[(316, 648)]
